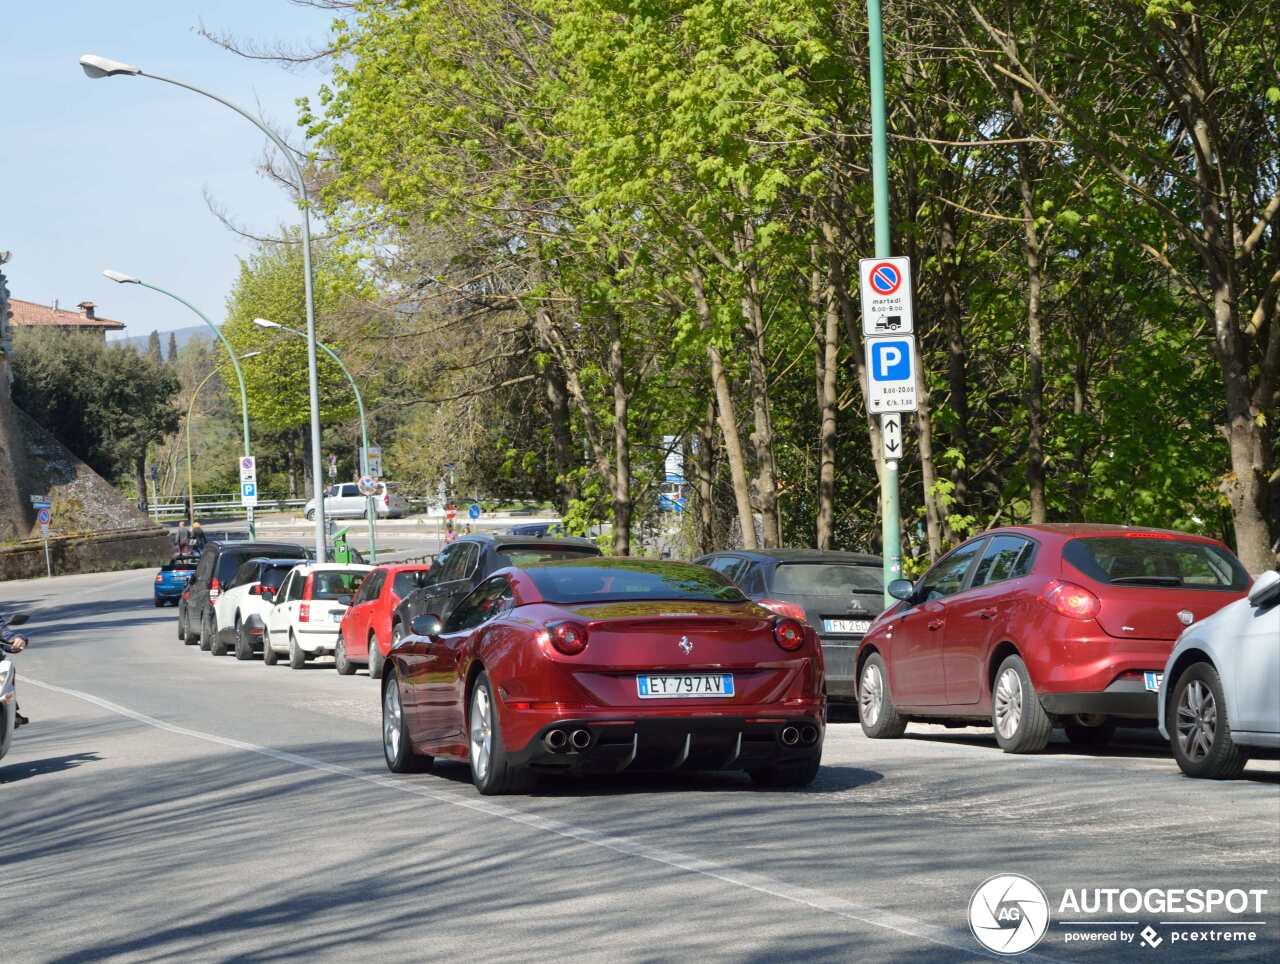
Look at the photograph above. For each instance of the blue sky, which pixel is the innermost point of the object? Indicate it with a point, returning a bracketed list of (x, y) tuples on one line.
[(111, 173)]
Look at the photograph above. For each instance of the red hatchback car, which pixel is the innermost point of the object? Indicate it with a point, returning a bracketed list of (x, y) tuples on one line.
[(604, 665), (364, 638), (1031, 627)]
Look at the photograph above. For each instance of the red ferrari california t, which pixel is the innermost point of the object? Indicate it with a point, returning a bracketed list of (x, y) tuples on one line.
[(605, 665)]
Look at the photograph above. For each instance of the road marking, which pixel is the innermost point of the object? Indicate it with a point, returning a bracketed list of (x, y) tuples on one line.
[(830, 904)]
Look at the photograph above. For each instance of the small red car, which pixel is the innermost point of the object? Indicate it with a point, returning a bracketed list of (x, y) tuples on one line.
[(604, 665), (365, 633), (1032, 627)]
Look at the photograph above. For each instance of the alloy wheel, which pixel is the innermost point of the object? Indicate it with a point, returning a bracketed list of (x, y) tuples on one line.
[(1008, 700), (481, 732), (1197, 720), (871, 694), (391, 719)]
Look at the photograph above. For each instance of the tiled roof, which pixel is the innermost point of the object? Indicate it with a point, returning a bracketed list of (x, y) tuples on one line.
[(28, 313)]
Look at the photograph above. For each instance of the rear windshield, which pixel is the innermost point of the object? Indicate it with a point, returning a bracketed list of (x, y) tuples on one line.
[(179, 567), (826, 579), (529, 555), (333, 584), (273, 578), (627, 580), (231, 559), (1159, 561)]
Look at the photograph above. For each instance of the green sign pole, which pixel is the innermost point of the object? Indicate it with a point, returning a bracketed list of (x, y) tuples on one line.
[(890, 525)]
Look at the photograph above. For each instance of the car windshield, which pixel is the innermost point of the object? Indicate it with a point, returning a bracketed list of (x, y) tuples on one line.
[(335, 583), (1156, 561), (179, 567), (622, 580), (531, 555), (826, 579), (406, 582)]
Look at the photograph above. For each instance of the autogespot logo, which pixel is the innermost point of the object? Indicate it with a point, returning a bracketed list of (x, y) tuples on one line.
[(1008, 914)]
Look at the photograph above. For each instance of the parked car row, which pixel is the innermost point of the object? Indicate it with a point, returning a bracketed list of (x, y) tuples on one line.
[(523, 654)]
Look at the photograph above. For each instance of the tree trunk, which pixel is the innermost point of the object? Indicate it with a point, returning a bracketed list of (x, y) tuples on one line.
[(621, 445), (827, 358), (706, 481), (561, 434), (140, 473), (957, 358), (728, 418), (308, 483), (1033, 255)]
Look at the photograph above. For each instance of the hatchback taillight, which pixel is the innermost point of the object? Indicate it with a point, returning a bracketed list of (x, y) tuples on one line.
[(1068, 599), (568, 638), (386, 501), (159, 578), (788, 609), (789, 634), (304, 612), (255, 589)]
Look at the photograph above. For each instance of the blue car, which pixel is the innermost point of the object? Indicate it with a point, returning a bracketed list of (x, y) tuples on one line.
[(172, 580)]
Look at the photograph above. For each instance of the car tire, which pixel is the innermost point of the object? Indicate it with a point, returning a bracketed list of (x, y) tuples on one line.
[(876, 712), (244, 648), (786, 776), (189, 636), (491, 771), (397, 748), (159, 604), (375, 658), (182, 623), (310, 515), (297, 655), (343, 665), (1199, 730), (217, 645), (207, 631), (1082, 734), (1020, 722), (269, 655)]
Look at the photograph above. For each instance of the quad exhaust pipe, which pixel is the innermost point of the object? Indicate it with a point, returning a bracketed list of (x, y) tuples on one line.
[(557, 741), (790, 736), (808, 734)]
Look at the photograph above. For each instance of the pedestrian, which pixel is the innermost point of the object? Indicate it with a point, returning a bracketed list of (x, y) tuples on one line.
[(197, 538), (450, 535), (184, 538), (467, 529)]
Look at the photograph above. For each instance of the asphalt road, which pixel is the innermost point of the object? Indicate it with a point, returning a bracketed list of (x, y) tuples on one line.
[(166, 804)]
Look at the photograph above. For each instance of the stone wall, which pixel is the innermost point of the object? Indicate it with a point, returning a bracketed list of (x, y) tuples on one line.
[(93, 552)]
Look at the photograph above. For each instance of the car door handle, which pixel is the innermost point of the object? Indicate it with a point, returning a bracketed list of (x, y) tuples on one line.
[(936, 623), (989, 613)]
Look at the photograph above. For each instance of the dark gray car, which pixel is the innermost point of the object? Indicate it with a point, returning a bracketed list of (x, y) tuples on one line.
[(837, 593)]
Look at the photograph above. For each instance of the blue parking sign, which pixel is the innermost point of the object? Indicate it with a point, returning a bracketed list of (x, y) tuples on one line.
[(890, 360), (249, 490), (891, 374)]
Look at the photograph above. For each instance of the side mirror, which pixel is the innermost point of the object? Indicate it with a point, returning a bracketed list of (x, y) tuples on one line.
[(428, 624), (1265, 591), (901, 589), (17, 619)]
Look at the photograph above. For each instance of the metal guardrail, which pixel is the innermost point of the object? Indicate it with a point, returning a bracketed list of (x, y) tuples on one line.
[(231, 507)]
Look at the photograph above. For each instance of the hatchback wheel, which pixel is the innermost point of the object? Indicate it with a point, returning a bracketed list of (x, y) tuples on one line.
[(269, 656), (188, 634), (490, 771), (397, 749), (206, 632), (297, 655), (217, 646), (1200, 730), (244, 645), (375, 655), (343, 665), (876, 712), (1020, 722)]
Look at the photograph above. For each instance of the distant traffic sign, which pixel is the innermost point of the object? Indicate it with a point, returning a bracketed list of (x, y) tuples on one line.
[(450, 512), (44, 532), (367, 485), (40, 505), (43, 517), (891, 383), (373, 459), (39, 498), (886, 296), (248, 480), (473, 510), (891, 436)]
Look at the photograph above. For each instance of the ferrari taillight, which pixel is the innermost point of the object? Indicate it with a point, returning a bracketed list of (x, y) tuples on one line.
[(304, 612), (789, 634), (1071, 600), (568, 638)]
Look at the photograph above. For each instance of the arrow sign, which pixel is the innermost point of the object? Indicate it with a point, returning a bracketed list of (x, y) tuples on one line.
[(891, 436)]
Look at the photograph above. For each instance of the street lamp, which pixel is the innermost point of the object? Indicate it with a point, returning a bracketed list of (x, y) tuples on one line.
[(370, 511), (191, 492), (120, 277), (95, 68)]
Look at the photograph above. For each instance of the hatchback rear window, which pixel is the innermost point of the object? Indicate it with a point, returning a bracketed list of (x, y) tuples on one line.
[(576, 582), (530, 555), (1158, 561), (334, 584), (826, 579)]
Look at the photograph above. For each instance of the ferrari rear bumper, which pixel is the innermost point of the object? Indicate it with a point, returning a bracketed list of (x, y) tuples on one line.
[(669, 743)]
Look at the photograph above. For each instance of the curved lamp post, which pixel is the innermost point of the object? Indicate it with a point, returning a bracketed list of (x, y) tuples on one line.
[(121, 278), (370, 511), (191, 492), (95, 68)]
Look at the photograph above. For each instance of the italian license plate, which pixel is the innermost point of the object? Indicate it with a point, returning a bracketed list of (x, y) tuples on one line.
[(685, 686), (337, 617), (1152, 681), (852, 626)]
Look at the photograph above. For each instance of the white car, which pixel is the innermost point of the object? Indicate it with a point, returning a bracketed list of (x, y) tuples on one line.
[(344, 501), (242, 607), (307, 611), (1219, 697)]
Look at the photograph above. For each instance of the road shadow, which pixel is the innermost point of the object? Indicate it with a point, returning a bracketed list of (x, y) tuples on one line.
[(54, 764), (1128, 744)]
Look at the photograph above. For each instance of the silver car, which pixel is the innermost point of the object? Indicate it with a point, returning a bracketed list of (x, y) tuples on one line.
[(1219, 699)]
